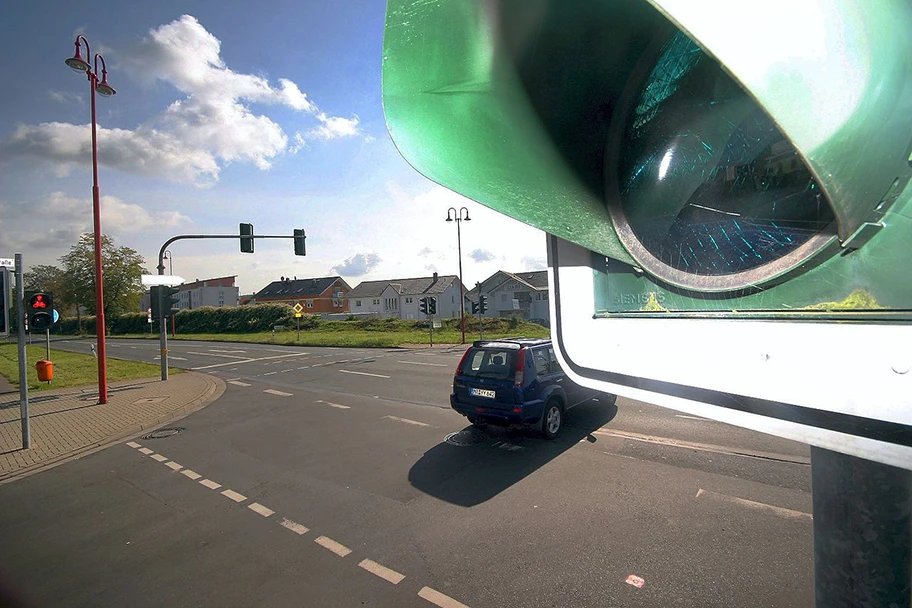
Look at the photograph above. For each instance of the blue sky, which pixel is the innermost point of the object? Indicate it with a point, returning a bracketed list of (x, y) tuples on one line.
[(268, 113)]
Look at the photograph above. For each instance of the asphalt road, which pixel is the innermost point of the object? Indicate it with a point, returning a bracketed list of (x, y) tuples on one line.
[(344, 479)]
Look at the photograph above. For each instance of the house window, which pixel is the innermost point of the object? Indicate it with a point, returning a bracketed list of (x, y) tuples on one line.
[(377, 302), (309, 303), (408, 300), (392, 304), (358, 303)]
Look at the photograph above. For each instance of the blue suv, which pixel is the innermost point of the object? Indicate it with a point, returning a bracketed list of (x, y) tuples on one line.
[(515, 381)]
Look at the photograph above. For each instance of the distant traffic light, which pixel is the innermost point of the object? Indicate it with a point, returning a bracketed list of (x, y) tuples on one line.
[(246, 238), (423, 305), (169, 299), (432, 306), (40, 309), (482, 304), (155, 302), (299, 238), (475, 308)]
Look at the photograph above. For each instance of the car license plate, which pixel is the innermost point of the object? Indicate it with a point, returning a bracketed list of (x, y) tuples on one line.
[(483, 392)]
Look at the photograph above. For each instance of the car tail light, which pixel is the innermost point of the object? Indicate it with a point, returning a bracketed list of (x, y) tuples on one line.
[(520, 364), (461, 361)]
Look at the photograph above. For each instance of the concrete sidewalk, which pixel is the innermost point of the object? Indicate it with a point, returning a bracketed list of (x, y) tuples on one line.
[(69, 423)]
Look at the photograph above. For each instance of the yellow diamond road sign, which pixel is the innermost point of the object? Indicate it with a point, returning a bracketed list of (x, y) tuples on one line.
[(298, 307)]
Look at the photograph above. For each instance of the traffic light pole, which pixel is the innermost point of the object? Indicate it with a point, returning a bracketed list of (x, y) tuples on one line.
[(163, 322), (23, 364), (862, 532)]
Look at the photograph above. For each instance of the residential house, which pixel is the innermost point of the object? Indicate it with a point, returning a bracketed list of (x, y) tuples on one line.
[(318, 296), (220, 291), (399, 298), (522, 294)]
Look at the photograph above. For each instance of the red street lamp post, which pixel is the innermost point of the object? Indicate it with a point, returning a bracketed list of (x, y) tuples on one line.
[(452, 215), (78, 64)]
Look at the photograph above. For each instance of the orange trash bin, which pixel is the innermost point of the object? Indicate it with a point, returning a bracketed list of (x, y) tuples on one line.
[(45, 371)]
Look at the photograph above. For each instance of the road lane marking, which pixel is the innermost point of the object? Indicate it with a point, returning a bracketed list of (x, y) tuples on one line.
[(258, 508), (211, 484), (335, 405), (382, 571), (294, 526), (423, 363), (234, 495), (439, 599), (757, 506), (146, 451), (159, 457), (133, 444), (191, 474), (305, 367), (238, 383), (272, 391), (174, 465), (190, 352), (328, 543), (407, 421), (693, 418), (219, 350), (250, 360), (171, 357), (270, 373), (702, 447), (345, 371), (286, 370)]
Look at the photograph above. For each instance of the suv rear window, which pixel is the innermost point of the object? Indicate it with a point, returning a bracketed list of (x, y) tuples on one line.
[(490, 363)]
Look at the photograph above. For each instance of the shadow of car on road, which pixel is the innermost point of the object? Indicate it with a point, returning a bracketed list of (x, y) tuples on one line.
[(475, 465)]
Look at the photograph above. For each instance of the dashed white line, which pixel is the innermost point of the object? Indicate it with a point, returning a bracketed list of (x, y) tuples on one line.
[(286, 371), (407, 421), (294, 526), (159, 457), (335, 405), (191, 474), (328, 543), (759, 506), (174, 465), (345, 371), (250, 360), (693, 418), (234, 495), (133, 444), (304, 367), (238, 383), (382, 571), (272, 391), (439, 599), (146, 451), (258, 508), (423, 363), (210, 354), (211, 484), (270, 373)]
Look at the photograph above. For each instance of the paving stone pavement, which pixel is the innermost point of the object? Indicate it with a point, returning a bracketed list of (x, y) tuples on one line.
[(69, 423)]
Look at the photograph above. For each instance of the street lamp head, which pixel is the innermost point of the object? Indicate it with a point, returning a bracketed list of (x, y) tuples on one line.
[(77, 63), (103, 87)]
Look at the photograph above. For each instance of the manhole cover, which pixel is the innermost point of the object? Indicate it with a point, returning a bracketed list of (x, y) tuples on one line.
[(465, 438), (162, 433)]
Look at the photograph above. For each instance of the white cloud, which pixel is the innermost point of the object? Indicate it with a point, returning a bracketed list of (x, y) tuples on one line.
[(358, 265), (212, 124), (482, 255), (66, 97), (533, 263)]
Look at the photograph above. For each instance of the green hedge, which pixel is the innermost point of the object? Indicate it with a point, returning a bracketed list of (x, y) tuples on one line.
[(260, 318)]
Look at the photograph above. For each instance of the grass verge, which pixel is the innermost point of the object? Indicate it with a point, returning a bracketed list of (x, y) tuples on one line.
[(70, 369)]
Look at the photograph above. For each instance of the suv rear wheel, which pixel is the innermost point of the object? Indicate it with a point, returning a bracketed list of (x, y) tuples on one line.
[(552, 419)]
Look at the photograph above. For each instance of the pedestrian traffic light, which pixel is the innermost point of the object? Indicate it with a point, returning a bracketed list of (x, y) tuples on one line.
[(169, 300), (423, 305), (432, 306), (482, 304), (246, 238), (5, 300), (299, 239), (737, 193), (40, 309)]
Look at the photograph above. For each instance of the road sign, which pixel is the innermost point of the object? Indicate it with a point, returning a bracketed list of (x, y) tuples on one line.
[(299, 315), (169, 280), (297, 307), (722, 245), (56, 316), (7, 262)]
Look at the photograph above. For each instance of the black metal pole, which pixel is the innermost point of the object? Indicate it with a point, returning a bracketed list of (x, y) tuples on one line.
[(862, 532)]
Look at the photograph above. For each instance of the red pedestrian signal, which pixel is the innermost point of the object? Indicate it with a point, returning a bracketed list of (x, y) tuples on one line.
[(38, 302), (40, 309)]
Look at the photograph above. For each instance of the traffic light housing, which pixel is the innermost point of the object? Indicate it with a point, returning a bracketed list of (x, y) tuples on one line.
[(155, 302), (432, 305), (727, 206), (475, 308), (482, 304), (246, 238), (5, 301), (423, 305), (39, 306), (299, 238), (169, 300)]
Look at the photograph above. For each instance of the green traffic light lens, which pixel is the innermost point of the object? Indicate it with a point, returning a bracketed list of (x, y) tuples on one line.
[(710, 194)]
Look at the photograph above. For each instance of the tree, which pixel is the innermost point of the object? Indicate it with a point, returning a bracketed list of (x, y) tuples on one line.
[(122, 268)]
